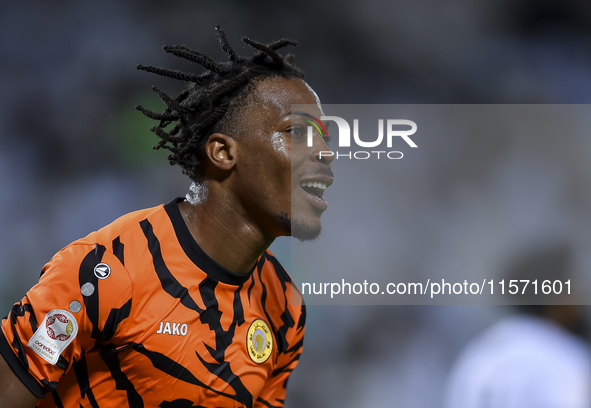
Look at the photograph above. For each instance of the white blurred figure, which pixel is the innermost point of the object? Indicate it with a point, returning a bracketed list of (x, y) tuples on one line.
[(534, 359)]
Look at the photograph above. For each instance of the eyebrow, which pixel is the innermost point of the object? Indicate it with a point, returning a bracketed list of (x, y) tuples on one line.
[(308, 115), (317, 120), (300, 113)]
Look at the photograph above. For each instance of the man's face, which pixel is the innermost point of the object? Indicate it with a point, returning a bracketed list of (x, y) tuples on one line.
[(276, 169)]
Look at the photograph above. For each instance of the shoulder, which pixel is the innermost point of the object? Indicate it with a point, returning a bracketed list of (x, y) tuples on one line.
[(92, 247), (278, 268), (122, 225), (97, 260), (274, 273)]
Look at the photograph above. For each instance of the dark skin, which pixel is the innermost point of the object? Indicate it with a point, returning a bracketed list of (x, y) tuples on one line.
[(249, 177), (253, 181), (13, 392)]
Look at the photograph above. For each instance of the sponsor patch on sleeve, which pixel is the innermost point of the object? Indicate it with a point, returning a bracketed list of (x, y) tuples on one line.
[(57, 330)]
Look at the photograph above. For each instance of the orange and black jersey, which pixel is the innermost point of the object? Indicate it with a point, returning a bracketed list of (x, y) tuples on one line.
[(136, 314)]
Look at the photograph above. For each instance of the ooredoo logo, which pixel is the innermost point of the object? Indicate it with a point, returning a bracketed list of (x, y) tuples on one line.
[(44, 347)]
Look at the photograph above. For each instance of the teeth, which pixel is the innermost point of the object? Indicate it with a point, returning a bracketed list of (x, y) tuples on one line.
[(314, 184)]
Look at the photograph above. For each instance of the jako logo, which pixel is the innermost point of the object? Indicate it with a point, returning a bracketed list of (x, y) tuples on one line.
[(393, 129), (176, 329)]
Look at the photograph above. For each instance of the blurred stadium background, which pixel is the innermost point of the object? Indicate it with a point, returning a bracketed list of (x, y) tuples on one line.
[(75, 154)]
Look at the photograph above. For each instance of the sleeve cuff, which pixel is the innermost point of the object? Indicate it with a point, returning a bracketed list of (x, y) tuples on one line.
[(19, 370)]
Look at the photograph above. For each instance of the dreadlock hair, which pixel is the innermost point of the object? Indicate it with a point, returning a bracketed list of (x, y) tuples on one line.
[(208, 102)]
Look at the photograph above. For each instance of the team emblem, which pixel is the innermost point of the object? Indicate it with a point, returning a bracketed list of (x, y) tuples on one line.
[(102, 271), (259, 341)]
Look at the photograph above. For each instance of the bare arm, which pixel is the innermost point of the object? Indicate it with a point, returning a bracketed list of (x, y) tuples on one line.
[(13, 393)]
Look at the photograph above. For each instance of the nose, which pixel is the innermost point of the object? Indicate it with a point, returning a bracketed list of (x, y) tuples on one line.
[(321, 152)]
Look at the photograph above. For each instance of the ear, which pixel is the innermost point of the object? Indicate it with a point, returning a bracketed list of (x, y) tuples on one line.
[(221, 150)]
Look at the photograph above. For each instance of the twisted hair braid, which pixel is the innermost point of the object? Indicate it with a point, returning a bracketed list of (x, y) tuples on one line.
[(207, 104)]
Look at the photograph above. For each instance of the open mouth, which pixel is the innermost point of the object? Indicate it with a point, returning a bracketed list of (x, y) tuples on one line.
[(314, 188)]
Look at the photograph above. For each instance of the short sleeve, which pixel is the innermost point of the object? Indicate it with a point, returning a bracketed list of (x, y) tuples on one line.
[(81, 301)]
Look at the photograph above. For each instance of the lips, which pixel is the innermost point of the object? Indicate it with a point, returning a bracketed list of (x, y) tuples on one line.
[(314, 189)]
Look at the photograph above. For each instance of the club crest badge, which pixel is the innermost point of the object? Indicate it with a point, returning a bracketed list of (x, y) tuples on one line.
[(55, 333), (259, 341)]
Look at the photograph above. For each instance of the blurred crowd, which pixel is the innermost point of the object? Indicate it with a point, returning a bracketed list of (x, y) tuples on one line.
[(75, 154)]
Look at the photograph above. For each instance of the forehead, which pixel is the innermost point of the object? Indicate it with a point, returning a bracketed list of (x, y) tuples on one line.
[(277, 95)]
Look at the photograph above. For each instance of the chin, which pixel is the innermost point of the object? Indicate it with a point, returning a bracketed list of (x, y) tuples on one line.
[(300, 229), (304, 231)]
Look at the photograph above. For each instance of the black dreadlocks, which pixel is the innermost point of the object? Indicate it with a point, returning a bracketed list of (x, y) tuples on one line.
[(207, 104)]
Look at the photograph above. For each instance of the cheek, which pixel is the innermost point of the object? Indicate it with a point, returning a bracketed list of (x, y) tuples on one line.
[(280, 145), (270, 169), (279, 158), (298, 157)]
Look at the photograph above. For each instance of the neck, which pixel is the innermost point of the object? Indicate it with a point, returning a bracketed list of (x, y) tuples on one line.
[(223, 232)]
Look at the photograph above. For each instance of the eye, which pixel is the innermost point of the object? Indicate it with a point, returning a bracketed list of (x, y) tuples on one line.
[(297, 131)]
